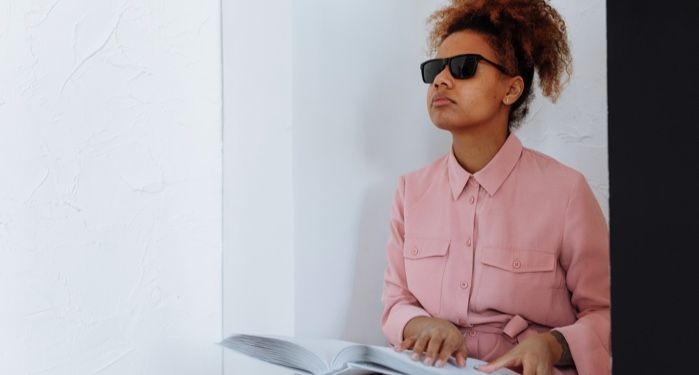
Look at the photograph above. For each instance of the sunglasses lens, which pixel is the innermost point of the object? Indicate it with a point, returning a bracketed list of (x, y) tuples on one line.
[(462, 67), (430, 70)]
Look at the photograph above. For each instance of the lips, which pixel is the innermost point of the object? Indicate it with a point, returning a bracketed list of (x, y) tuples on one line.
[(441, 99)]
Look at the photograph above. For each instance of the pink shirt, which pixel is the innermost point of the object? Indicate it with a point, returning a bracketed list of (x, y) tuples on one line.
[(517, 248)]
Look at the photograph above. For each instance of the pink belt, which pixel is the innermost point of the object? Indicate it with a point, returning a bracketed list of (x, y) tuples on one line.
[(517, 329)]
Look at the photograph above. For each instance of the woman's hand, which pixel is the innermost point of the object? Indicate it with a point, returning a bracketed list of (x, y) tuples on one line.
[(437, 338), (536, 355)]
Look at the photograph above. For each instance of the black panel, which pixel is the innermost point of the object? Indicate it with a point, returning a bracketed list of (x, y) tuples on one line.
[(653, 160)]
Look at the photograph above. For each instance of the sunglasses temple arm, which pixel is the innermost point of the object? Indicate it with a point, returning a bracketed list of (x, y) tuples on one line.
[(498, 66)]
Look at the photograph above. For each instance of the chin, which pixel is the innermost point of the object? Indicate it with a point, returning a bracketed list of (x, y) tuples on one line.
[(442, 122), (450, 125), (443, 126)]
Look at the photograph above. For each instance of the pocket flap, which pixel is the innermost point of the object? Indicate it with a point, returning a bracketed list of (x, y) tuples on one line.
[(416, 248), (519, 261)]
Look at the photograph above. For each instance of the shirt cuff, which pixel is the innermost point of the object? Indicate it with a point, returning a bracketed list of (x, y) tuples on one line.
[(399, 316), (588, 352)]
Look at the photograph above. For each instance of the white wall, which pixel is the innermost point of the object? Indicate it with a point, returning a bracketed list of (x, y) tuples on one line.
[(359, 122), (330, 158), (110, 208), (258, 225)]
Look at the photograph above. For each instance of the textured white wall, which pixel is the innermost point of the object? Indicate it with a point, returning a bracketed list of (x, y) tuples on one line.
[(574, 129), (110, 209)]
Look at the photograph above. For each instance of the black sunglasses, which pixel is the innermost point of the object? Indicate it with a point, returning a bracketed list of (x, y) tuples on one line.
[(460, 66)]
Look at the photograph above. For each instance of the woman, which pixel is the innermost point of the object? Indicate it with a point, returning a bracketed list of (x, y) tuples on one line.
[(497, 252)]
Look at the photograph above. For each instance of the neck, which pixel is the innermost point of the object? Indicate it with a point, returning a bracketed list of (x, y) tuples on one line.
[(475, 147)]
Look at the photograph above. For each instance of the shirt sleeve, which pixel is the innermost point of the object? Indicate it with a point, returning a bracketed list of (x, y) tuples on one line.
[(399, 304), (585, 257)]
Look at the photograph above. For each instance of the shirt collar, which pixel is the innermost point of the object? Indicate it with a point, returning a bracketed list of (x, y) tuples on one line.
[(492, 175)]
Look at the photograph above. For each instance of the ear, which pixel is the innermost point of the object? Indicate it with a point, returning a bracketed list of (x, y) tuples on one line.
[(515, 87)]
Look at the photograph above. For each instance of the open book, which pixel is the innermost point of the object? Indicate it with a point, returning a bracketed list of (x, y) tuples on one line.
[(331, 357)]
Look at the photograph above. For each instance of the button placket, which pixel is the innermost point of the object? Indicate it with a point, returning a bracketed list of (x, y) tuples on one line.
[(469, 209)]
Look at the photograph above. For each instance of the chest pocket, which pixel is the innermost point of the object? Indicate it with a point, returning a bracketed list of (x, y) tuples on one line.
[(425, 261), (519, 261), (518, 281), (525, 272)]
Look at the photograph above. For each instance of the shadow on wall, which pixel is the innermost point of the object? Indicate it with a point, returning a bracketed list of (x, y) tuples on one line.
[(389, 131)]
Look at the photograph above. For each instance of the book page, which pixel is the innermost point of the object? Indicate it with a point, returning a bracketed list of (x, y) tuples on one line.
[(277, 351), (326, 349), (349, 354), (401, 362), (313, 356), (371, 368), (329, 356)]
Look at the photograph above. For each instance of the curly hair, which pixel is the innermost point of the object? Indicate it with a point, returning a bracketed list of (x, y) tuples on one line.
[(527, 36)]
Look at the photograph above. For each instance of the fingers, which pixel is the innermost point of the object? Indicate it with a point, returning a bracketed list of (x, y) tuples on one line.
[(433, 347), (504, 361), (530, 366), (405, 344), (420, 346), (529, 370), (437, 340), (461, 355), (452, 345)]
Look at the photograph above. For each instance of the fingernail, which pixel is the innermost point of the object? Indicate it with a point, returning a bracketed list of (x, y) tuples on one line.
[(428, 361), (439, 363), (415, 356)]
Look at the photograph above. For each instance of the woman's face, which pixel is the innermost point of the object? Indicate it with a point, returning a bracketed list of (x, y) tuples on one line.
[(475, 101)]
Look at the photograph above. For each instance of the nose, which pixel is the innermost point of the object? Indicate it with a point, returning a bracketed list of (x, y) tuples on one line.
[(443, 78)]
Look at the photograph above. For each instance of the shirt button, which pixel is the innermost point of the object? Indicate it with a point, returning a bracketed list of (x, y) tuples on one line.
[(472, 333), (516, 263), (464, 285), (462, 322), (468, 242), (471, 200), (414, 251)]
